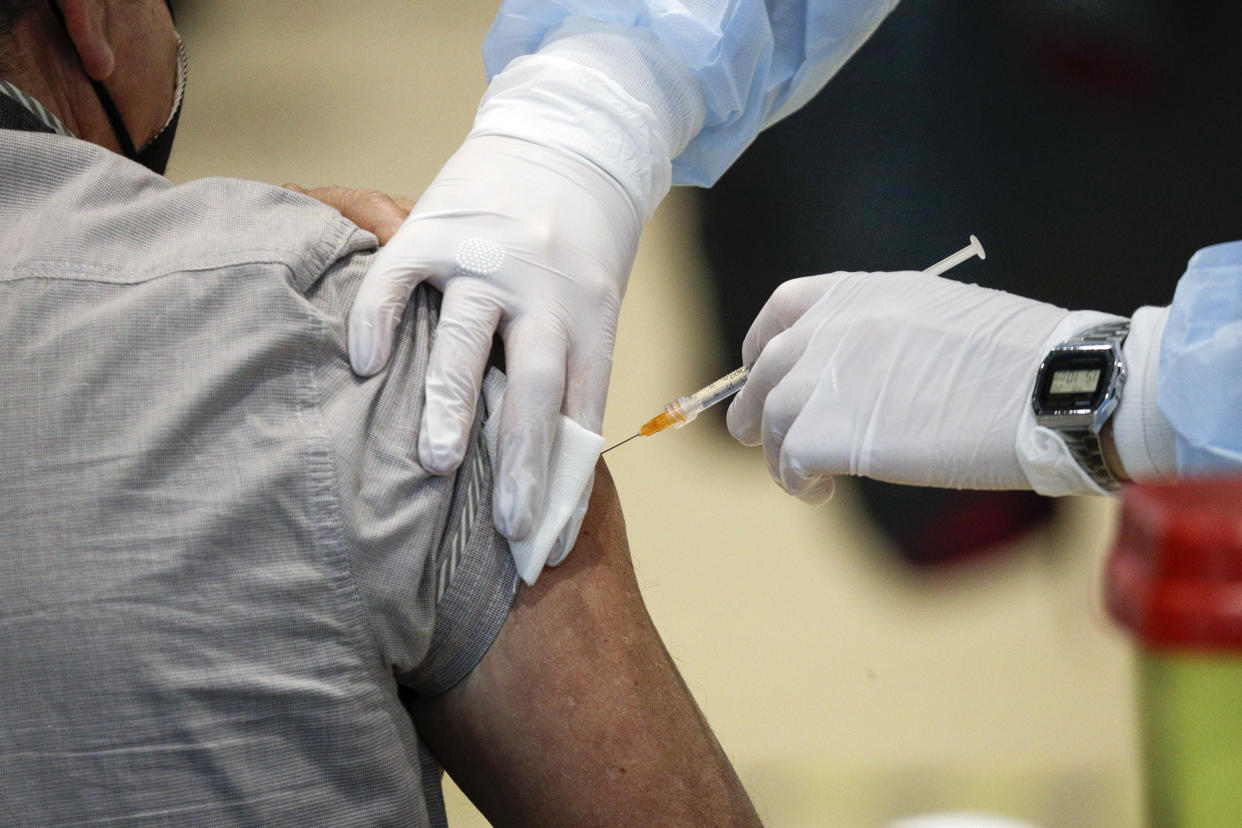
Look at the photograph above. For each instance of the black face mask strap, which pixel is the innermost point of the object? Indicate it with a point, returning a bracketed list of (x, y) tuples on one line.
[(105, 100)]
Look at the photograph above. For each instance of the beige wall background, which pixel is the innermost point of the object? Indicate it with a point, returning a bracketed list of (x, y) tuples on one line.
[(847, 690)]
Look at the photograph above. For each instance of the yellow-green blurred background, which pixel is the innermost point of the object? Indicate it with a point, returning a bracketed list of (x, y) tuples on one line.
[(847, 690)]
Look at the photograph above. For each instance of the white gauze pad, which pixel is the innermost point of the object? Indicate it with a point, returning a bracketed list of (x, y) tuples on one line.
[(575, 451)]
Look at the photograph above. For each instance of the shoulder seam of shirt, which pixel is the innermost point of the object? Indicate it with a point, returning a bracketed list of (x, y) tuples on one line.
[(339, 239), (342, 237)]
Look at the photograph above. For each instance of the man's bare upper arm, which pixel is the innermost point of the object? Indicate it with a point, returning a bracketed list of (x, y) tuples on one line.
[(577, 714)]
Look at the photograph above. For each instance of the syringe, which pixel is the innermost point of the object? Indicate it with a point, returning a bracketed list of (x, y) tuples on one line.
[(684, 409)]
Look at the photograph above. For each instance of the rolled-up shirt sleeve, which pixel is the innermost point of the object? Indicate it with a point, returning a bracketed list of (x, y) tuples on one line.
[(1200, 380), (755, 61)]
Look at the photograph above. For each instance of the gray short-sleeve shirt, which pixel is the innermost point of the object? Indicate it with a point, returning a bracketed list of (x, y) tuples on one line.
[(219, 553)]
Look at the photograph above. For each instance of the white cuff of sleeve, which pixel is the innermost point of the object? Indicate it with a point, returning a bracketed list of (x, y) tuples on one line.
[(1146, 443), (634, 59), (616, 101), (572, 469), (1045, 459)]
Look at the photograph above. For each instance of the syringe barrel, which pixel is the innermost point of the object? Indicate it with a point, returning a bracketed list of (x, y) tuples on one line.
[(721, 389)]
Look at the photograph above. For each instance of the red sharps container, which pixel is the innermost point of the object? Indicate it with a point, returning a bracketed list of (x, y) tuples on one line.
[(1174, 580)]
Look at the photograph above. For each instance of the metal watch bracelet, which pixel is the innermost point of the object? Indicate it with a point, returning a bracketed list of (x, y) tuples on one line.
[(1084, 442)]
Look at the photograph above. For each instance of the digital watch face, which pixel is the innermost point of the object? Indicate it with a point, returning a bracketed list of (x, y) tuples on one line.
[(1074, 382)]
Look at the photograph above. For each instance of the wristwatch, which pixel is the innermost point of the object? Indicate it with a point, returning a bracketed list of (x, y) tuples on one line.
[(1077, 389)]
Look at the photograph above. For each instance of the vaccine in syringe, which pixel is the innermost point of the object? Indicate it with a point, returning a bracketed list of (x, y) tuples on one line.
[(684, 409)]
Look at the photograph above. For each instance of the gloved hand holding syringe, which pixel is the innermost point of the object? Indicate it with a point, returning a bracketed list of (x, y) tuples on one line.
[(684, 409)]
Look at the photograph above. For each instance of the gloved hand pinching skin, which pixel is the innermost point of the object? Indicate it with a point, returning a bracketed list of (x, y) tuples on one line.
[(528, 241), (901, 377)]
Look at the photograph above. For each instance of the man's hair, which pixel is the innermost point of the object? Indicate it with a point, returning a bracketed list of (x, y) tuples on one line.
[(11, 11)]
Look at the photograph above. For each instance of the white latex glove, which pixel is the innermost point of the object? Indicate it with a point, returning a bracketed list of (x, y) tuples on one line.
[(530, 230), (529, 242), (901, 377)]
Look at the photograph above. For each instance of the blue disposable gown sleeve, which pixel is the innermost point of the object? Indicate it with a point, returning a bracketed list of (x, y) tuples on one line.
[(755, 61), (1200, 379)]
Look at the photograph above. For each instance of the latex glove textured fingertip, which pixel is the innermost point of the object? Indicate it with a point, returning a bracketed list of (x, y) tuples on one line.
[(752, 411), (742, 423), (526, 450), (368, 353), (818, 491), (380, 303), (513, 514), (448, 412), (808, 486), (455, 370), (440, 456), (569, 536), (372, 325)]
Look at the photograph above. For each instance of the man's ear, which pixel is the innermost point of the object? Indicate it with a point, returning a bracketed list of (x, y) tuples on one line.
[(86, 22)]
